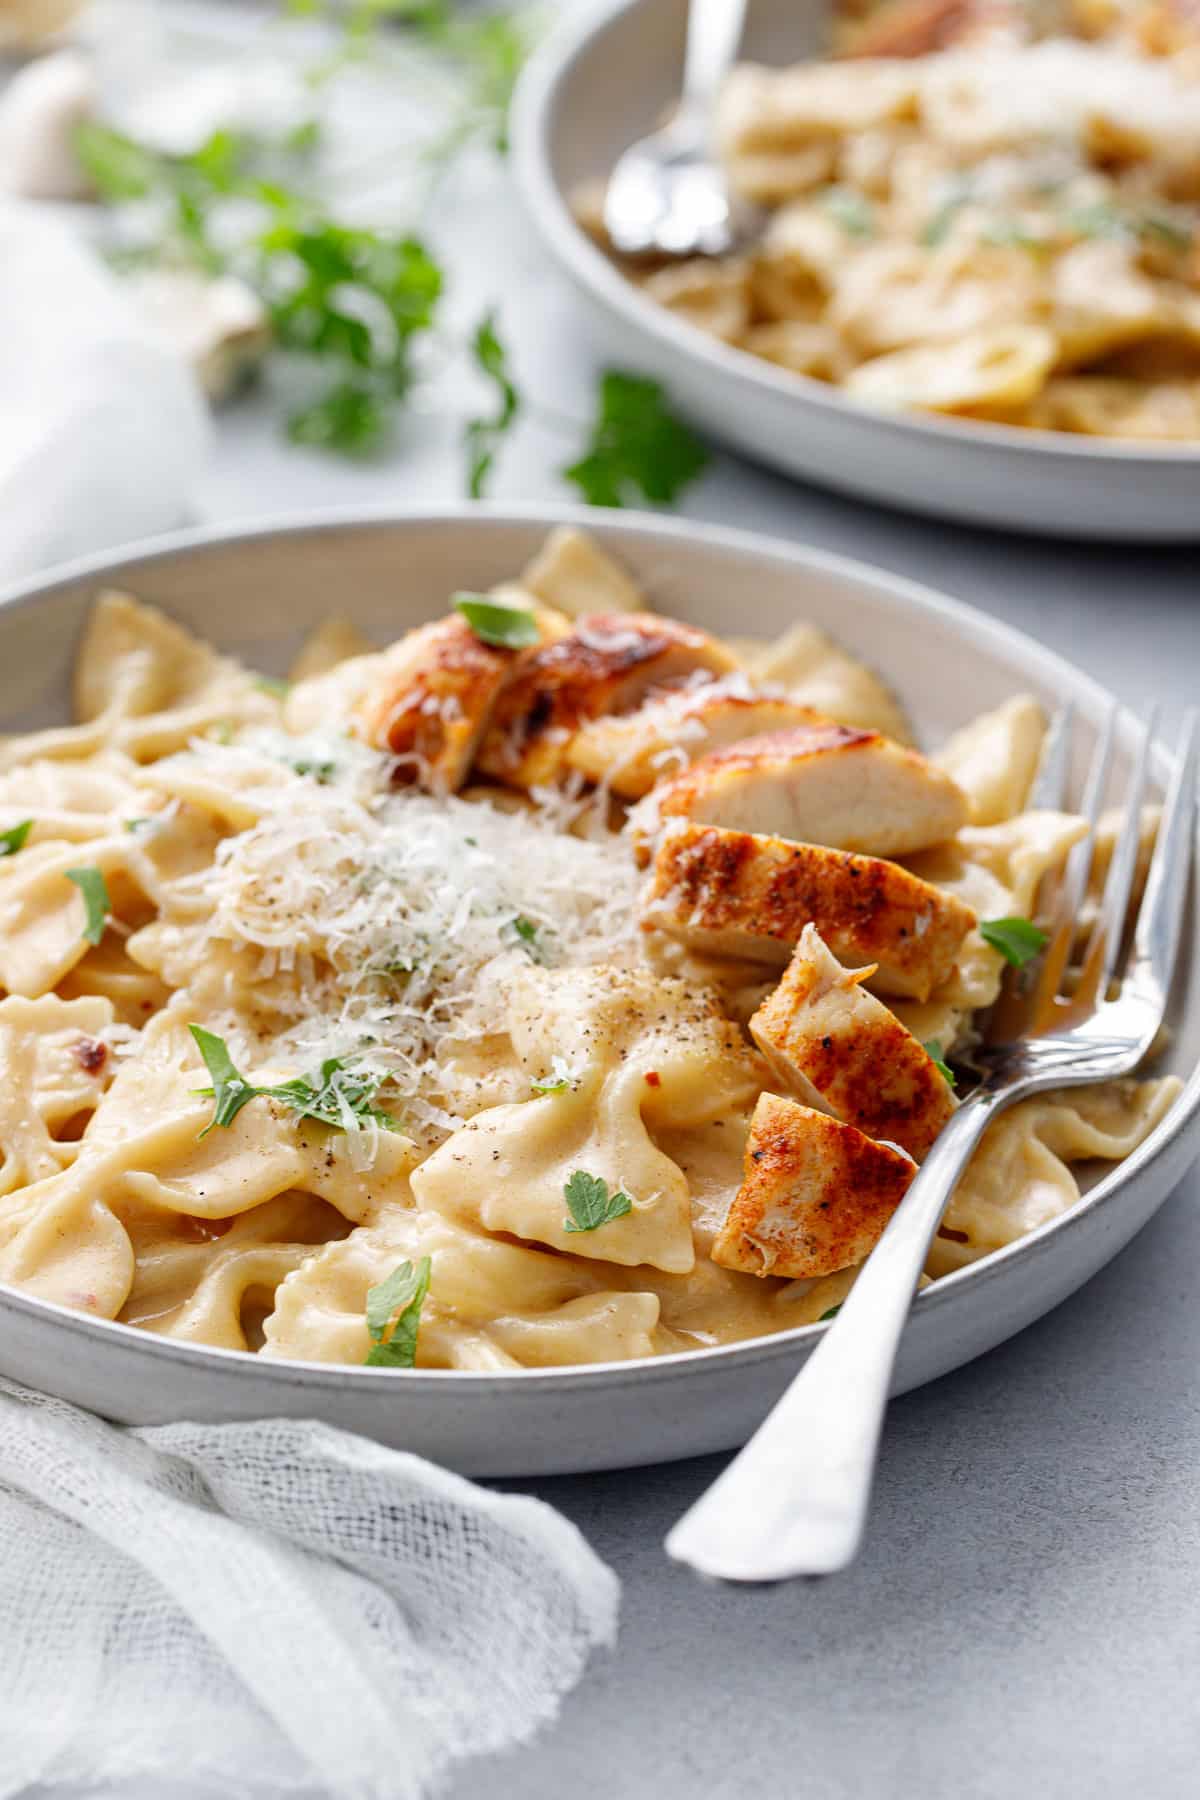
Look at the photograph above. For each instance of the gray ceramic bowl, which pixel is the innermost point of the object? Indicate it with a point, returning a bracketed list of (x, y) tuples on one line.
[(257, 593)]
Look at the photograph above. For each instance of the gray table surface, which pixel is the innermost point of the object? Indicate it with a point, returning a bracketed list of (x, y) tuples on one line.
[(1026, 1618)]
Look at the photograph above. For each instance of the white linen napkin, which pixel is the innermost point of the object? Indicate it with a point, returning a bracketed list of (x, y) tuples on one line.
[(275, 1608), (103, 428)]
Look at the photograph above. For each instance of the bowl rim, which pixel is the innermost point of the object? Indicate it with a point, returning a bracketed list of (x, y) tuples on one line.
[(535, 104), (969, 625)]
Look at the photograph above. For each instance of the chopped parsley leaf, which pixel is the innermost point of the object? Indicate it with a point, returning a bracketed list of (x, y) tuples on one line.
[(1017, 940), (318, 770), (338, 1095), (591, 1204), (497, 623), (96, 902), (13, 839), (933, 1051), (522, 934), (394, 1315)]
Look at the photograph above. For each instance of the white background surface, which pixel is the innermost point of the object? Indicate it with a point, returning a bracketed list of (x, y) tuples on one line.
[(1026, 1618)]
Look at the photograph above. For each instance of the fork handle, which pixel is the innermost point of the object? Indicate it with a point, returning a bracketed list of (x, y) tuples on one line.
[(794, 1502), (714, 34)]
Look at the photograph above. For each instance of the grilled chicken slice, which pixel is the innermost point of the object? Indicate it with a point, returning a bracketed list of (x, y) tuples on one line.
[(732, 893), (606, 664), (832, 1042), (919, 27), (819, 783), (635, 750), (429, 698), (815, 1194)]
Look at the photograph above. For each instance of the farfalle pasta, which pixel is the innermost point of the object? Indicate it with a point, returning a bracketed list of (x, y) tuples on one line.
[(320, 1046), (982, 210)]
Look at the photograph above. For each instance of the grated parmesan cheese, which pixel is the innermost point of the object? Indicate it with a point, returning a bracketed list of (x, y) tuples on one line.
[(386, 921)]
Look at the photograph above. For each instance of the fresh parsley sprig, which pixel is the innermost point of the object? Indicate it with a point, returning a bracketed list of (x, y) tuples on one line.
[(351, 308), (497, 623), (14, 838), (637, 448), (96, 902), (338, 1095), (394, 1315), (590, 1203), (1017, 940), (484, 436)]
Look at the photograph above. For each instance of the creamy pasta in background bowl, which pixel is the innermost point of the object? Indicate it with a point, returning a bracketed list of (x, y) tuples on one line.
[(994, 320), (335, 1035)]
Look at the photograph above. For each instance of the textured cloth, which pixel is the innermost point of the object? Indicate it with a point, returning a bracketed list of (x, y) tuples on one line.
[(271, 1608), (103, 429)]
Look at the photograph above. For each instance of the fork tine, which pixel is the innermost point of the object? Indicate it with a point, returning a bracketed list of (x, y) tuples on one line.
[(1073, 885), (1160, 918), (1049, 790), (1105, 949)]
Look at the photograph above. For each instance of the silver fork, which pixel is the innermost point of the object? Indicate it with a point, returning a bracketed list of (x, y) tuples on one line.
[(668, 194), (794, 1502)]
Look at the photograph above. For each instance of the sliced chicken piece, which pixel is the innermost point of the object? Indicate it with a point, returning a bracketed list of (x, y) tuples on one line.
[(733, 893), (918, 27), (430, 696), (606, 664), (815, 1194), (836, 1045), (635, 750), (820, 783)]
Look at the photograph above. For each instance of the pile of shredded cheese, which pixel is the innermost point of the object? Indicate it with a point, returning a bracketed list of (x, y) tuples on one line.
[(387, 919)]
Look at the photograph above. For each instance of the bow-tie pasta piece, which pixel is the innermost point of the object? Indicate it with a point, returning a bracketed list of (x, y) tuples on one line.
[(509, 1166), (491, 1304), (572, 573), (231, 786), (144, 1142), (135, 992), (61, 1241), (45, 919), (146, 686), (638, 1054), (1020, 1177), (816, 672), (213, 1281), (43, 915), (996, 870), (71, 801), (994, 759), (154, 686), (142, 1151), (56, 1064), (59, 1237), (337, 640)]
